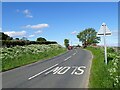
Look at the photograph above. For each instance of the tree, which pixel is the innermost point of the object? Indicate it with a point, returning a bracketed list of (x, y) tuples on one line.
[(41, 39), (66, 42), (88, 37), (5, 36), (24, 39), (16, 38)]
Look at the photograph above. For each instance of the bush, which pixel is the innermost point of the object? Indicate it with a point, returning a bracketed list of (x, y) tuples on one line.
[(110, 50)]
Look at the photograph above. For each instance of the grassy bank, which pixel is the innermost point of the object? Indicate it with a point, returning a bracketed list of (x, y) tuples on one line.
[(102, 75), (22, 55)]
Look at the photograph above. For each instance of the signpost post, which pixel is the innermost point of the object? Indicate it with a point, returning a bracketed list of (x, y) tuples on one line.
[(104, 31)]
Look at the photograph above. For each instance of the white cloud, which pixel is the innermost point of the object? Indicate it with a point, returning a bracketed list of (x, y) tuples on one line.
[(26, 12), (31, 36), (14, 33), (74, 32), (38, 26), (38, 32), (29, 16)]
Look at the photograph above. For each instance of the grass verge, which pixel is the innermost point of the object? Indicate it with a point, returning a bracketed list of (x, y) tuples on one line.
[(28, 58), (99, 75)]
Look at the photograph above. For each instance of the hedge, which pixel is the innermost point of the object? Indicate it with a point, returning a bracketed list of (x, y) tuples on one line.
[(11, 43)]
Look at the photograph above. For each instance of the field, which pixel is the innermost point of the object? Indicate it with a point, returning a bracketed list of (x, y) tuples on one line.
[(21, 55), (102, 75)]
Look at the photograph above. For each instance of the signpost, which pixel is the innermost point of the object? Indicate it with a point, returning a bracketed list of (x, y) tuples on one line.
[(104, 30)]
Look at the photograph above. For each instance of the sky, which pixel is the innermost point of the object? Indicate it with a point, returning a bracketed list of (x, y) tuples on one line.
[(60, 0), (57, 21)]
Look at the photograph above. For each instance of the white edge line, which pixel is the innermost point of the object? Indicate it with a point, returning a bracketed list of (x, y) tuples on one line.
[(41, 72)]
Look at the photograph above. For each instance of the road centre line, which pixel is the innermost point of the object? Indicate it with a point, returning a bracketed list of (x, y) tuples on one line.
[(67, 58), (74, 53), (42, 72)]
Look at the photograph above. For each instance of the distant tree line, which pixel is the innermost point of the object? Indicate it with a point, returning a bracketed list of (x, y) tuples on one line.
[(7, 41), (12, 43)]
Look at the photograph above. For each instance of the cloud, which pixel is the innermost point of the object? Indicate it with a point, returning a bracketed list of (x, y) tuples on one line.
[(38, 32), (26, 12), (31, 36), (14, 33), (29, 16), (38, 26), (0, 29), (74, 32)]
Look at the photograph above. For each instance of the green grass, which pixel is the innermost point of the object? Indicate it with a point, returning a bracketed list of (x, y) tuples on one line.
[(99, 75), (27, 58)]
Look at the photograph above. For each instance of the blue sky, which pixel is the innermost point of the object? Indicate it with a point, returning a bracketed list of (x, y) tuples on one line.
[(57, 21)]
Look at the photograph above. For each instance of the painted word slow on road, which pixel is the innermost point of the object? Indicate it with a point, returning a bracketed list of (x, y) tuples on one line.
[(62, 70)]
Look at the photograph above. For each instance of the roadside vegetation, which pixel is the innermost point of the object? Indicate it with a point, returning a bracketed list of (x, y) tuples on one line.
[(16, 52), (102, 75), (17, 56)]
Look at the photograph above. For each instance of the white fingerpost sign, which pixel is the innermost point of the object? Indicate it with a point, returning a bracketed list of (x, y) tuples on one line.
[(104, 30)]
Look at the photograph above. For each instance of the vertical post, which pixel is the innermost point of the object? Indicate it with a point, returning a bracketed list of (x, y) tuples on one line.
[(105, 44), (71, 42)]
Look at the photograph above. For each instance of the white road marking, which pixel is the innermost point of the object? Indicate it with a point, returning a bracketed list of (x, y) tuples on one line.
[(63, 70), (74, 53), (67, 58), (74, 69), (78, 70), (59, 68), (41, 72), (53, 70)]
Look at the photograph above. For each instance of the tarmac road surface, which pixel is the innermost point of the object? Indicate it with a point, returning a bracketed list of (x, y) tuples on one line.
[(69, 70)]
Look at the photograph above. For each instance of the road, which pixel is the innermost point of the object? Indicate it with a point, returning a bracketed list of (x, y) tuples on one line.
[(69, 70)]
